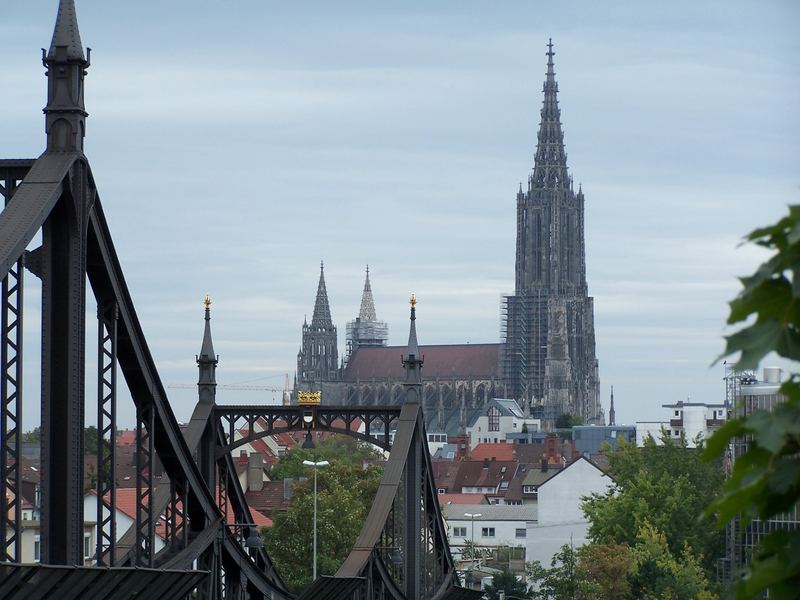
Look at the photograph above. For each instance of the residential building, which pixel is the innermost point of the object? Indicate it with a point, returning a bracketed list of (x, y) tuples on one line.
[(590, 439), (695, 421), (499, 418), (493, 525), (560, 518)]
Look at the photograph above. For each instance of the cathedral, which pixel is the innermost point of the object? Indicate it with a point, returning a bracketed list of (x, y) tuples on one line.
[(548, 330), (546, 359)]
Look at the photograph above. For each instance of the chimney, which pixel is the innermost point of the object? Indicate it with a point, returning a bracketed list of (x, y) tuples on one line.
[(772, 374), (287, 488), (544, 464), (242, 457), (485, 463), (255, 472)]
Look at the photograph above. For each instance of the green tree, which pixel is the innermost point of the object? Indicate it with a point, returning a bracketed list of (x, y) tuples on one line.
[(560, 581), (33, 436), (338, 448), (505, 581), (659, 574), (606, 570), (345, 494), (665, 486), (568, 421), (765, 480)]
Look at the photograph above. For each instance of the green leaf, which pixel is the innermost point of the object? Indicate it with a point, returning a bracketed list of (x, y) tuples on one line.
[(754, 342)]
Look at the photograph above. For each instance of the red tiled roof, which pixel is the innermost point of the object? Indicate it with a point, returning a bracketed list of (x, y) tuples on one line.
[(126, 504), (478, 473), (493, 451), (126, 437), (446, 360)]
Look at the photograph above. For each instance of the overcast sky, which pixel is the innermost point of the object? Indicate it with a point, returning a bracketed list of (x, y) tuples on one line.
[(235, 144)]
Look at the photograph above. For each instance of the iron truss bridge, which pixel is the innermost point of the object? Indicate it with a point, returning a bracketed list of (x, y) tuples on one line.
[(402, 550)]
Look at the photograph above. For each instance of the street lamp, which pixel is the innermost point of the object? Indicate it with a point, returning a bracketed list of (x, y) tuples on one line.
[(472, 518), (311, 463)]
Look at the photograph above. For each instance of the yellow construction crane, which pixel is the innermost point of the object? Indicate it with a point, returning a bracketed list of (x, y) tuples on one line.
[(239, 387)]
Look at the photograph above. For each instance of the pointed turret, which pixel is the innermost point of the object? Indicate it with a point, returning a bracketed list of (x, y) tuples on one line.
[(207, 361), (611, 415), (550, 163), (65, 114), (365, 330), (66, 33), (318, 359), (322, 311), (412, 359), (367, 311)]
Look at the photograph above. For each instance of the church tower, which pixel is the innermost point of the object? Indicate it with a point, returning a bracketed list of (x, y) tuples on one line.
[(318, 359), (366, 330), (549, 353)]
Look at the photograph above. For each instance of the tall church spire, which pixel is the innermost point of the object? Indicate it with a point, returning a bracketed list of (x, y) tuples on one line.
[(550, 162), (322, 310), (549, 353), (65, 113), (367, 311)]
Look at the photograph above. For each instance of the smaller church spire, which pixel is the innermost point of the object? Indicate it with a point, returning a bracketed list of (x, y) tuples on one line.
[(367, 311), (322, 311), (611, 415), (412, 360), (207, 349)]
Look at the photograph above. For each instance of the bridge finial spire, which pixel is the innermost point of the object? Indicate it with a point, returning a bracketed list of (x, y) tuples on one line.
[(66, 33), (412, 360), (65, 113), (207, 359)]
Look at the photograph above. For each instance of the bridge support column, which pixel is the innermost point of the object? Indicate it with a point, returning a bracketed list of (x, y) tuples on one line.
[(63, 372), (413, 521)]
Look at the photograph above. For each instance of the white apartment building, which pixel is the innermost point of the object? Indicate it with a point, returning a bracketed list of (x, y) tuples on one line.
[(694, 420), (560, 518), (491, 524), (500, 418)]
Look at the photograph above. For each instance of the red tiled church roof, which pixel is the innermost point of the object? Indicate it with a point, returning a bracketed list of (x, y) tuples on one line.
[(445, 361)]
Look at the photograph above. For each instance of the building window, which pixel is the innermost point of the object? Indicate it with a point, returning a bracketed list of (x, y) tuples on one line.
[(487, 532), (494, 418), (87, 545), (442, 491), (459, 531), (37, 549), (520, 532)]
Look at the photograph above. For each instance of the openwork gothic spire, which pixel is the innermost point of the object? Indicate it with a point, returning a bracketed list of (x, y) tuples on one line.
[(322, 311), (550, 162), (367, 311)]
